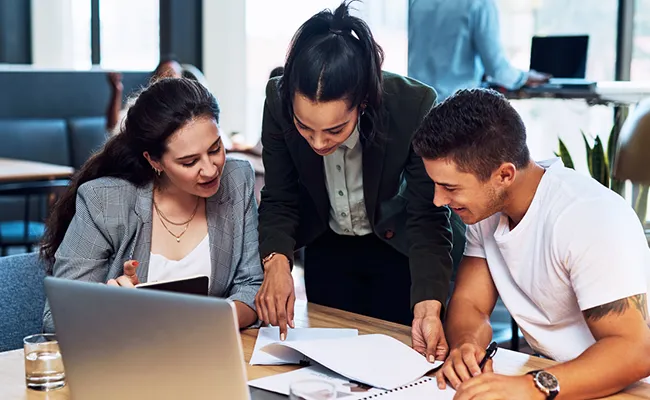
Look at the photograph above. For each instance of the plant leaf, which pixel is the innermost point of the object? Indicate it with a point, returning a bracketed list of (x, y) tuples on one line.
[(611, 144), (589, 154), (617, 186), (565, 155), (599, 163)]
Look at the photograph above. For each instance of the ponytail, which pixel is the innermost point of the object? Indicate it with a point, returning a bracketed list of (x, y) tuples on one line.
[(115, 159)]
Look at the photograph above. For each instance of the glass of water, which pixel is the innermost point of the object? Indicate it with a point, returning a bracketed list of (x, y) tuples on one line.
[(43, 364), (312, 389)]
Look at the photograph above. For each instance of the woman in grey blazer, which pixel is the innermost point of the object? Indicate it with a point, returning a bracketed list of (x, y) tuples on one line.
[(160, 201)]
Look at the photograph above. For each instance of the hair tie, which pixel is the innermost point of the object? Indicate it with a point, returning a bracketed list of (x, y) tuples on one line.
[(336, 31)]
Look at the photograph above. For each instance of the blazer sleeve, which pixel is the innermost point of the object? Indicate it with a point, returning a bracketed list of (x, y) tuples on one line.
[(85, 250), (248, 275), (428, 228), (279, 209)]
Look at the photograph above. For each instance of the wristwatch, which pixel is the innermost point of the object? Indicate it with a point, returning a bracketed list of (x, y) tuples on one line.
[(546, 382)]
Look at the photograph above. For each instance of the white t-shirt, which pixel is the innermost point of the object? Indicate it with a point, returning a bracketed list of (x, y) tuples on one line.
[(196, 262), (580, 245)]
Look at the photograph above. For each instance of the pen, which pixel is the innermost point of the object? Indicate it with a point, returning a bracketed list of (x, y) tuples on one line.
[(489, 353)]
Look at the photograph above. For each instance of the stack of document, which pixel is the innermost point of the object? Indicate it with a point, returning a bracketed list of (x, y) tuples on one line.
[(378, 361)]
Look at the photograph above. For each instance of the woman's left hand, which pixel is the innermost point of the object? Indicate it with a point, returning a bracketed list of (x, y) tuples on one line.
[(129, 279)]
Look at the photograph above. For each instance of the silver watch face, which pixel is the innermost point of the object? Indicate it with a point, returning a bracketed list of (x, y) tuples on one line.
[(547, 380)]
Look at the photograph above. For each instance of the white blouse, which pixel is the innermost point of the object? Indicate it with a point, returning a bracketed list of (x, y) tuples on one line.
[(197, 262)]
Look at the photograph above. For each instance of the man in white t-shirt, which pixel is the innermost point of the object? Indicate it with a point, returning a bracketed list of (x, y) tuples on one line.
[(567, 256)]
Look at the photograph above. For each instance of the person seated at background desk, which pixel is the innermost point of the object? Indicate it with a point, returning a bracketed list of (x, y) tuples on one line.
[(342, 179), (453, 44), (168, 67), (160, 201), (568, 257)]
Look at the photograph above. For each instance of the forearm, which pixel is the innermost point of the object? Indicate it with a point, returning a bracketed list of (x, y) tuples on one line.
[(114, 107), (467, 324), (605, 368), (246, 316), (429, 233)]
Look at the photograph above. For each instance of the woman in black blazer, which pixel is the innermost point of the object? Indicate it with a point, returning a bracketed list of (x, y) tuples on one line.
[(342, 179)]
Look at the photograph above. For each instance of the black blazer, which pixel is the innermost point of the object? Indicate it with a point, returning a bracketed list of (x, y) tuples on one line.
[(398, 193)]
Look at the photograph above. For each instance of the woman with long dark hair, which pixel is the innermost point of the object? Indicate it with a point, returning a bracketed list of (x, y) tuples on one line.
[(342, 179), (160, 201)]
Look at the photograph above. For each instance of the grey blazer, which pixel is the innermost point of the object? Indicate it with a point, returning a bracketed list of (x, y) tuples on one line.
[(113, 224)]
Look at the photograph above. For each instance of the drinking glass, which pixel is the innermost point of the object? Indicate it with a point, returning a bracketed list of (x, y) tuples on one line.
[(312, 389), (43, 364)]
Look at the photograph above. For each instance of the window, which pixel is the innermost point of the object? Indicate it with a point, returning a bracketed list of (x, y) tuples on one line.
[(129, 34), (641, 50), (61, 34)]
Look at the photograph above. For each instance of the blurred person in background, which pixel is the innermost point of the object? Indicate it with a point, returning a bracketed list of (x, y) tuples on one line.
[(168, 67), (454, 44)]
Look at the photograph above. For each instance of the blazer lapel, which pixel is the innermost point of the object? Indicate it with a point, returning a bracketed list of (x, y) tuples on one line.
[(221, 225), (312, 172), (142, 246), (373, 164)]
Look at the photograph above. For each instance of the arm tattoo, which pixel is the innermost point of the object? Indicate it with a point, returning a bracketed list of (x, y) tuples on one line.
[(641, 304), (618, 307)]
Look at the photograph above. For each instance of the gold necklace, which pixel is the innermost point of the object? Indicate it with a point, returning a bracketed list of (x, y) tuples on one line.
[(160, 213), (162, 218)]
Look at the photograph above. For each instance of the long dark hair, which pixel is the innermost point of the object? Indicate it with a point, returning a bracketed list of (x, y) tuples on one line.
[(334, 56), (158, 112)]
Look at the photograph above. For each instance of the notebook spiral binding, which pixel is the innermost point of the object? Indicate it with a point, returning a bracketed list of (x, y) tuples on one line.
[(410, 385)]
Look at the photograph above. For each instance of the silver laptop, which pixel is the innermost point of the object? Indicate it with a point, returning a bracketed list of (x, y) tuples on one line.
[(119, 343)]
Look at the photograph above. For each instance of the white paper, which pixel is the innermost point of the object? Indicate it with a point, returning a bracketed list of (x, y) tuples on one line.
[(425, 388), (376, 360), (344, 388), (285, 355)]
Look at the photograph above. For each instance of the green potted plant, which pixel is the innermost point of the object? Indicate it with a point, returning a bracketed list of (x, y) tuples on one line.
[(598, 163)]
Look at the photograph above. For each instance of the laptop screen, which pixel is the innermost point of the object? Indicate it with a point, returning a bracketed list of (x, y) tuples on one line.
[(560, 56)]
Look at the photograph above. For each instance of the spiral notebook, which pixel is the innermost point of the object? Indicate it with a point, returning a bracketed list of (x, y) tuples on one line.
[(423, 388)]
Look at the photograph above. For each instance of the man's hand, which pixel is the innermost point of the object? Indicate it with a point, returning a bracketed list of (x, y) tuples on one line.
[(461, 365), (537, 78), (277, 296), (491, 386), (427, 335)]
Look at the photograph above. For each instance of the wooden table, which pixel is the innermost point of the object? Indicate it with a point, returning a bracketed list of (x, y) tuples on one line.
[(22, 171), (12, 378)]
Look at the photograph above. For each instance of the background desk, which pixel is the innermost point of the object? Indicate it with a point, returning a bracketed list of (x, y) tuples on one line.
[(12, 382), (23, 171)]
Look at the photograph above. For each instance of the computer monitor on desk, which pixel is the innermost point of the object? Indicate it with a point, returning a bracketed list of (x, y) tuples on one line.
[(565, 58)]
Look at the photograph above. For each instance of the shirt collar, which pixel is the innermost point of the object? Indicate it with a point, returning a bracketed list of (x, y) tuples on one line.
[(351, 142)]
